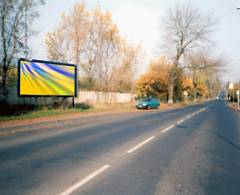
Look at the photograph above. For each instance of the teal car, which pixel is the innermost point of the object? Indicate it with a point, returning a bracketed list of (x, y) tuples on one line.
[(147, 103)]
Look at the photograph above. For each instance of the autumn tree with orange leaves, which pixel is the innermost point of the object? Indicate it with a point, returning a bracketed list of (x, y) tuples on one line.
[(156, 80), (201, 79)]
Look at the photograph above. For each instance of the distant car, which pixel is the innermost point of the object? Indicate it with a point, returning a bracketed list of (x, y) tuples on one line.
[(221, 99), (147, 103)]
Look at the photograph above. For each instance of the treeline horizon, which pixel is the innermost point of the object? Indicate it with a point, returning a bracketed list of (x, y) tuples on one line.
[(108, 62)]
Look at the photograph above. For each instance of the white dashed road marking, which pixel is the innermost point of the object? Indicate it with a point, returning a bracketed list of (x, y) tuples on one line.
[(140, 144), (168, 128), (84, 180)]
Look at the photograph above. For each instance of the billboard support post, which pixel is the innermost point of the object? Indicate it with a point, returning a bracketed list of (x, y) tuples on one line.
[(64, 103), (73, 102)]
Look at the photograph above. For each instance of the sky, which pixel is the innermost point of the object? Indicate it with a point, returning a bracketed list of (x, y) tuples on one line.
[(139, 21)]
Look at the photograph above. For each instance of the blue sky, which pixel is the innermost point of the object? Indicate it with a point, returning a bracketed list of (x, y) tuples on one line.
[(139, 22)]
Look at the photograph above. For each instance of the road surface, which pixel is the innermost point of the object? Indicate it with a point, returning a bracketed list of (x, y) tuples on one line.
[(192, 150)]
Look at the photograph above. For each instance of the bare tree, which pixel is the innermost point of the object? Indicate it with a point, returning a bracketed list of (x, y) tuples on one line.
[(107, 48), (66, 43), (123, 76), (91, 49), (13, 31), (201, 63), (185, 28)]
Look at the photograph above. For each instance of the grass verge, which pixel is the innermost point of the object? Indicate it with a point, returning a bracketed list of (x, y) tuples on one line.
[(49, 113), (43, 113)]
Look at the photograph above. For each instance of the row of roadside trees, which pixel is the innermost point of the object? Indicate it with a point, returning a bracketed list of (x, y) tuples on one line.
[(199, 79), (91, 40), (108, 62)]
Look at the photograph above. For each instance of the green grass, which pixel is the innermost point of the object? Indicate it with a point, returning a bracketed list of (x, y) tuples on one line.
[(45, 113), (27, 113)]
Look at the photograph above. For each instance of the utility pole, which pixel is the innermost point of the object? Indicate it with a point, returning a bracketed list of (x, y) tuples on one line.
[(238, 93), (238, 96), (231, 88)]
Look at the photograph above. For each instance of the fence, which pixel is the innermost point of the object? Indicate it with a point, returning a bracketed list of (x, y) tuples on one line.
[(83, 96), (104, 97)]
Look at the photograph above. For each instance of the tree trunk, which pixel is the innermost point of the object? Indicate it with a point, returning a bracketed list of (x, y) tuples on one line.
[(171, 91), (195, 85), (173, 76), (4, 84), (195, 93), (4, 78), (89, 83)]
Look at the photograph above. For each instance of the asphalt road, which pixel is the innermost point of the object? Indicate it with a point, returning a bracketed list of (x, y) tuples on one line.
[(193, 150)]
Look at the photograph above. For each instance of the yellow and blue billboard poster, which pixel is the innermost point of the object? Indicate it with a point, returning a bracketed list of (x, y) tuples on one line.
[(42, 78)]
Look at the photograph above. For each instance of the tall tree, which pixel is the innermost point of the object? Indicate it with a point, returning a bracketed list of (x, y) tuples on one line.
[(123, 75), (185, 29), (66, 43), (92, 41), (13, 26)]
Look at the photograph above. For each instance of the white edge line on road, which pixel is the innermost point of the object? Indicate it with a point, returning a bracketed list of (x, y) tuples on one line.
[(168, 128), (140, 144), (84, 180)]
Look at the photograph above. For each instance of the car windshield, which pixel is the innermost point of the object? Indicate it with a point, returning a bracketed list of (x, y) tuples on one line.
[(144, 100)]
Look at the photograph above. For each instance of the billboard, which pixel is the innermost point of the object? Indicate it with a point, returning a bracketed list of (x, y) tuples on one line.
[(44, 78)]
